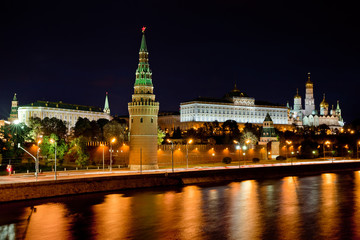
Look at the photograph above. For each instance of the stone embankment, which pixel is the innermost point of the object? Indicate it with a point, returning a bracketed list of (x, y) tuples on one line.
[(44, 189)]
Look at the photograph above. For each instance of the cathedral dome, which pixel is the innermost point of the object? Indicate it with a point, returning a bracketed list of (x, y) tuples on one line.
[(324, 104), (297, 96)]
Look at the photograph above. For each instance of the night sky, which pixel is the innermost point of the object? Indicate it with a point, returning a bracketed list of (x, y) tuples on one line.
[(76, 51)]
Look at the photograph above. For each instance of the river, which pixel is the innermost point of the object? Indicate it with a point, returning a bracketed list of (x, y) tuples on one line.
[(325, 206)]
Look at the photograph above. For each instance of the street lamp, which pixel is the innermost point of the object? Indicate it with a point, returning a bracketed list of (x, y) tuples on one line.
[(187, 152), (103, 148), (111, 150), (244, 148), (238, 148), (53, 141), (172, 154)]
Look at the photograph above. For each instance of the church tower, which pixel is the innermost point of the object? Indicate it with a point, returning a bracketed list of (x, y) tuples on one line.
[(297, 101), (106, 106), (309, 97), (143, 116), (338, 111), (268, 133), (324, 107), (14, 109)]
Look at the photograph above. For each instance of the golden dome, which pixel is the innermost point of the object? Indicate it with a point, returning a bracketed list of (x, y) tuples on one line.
[(297, 94), (324, 104), (309, 83)]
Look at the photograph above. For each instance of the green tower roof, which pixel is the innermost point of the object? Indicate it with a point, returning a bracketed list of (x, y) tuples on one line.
[(106, 106), (267, 118), (143, 47), (14, 98), (143, 72)]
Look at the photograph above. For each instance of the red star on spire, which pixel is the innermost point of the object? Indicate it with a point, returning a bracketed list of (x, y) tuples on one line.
[(143, 29)]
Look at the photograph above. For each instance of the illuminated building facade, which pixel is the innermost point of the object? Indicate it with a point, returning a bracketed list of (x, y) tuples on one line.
[(235, 106), (63, 111)]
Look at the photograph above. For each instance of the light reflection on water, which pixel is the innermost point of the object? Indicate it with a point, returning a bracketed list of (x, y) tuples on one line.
[(315, 207)]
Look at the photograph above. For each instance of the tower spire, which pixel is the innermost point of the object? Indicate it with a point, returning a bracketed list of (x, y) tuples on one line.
[(143, 41), (309, 80), (143, 72), (106, 106)]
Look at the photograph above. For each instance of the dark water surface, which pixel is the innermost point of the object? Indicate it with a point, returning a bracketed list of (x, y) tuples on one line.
[(326, 206)]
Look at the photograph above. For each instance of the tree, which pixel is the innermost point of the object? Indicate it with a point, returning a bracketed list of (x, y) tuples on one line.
[(161, 136), (53, 126), (77, 152), (13, 134), (177, 133), (82, 128), (48, 148), (95, 131), (101, 123), (248, 138), (231, 130), (35, 125), (115, 129)]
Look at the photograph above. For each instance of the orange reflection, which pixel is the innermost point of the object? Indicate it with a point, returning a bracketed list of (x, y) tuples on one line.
[(289, 217), (245, 211), (114, 212), (328, 219), (191, 217), (46, 218), (356, 218)]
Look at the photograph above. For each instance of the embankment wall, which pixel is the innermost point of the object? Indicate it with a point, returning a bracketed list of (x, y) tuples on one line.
[(44, 189)]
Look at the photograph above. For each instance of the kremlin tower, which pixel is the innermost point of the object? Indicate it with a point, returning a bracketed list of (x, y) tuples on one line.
[(143, 116), (309, 97), (106, 105)]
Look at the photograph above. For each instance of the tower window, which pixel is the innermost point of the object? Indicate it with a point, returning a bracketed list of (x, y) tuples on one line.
[(132, 120), (152, 120), (141, 120)]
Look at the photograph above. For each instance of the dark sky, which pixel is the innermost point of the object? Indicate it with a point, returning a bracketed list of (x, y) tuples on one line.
[(76, 51)]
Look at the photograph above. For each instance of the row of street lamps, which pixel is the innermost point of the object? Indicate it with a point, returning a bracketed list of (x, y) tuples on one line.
[(52, 141)]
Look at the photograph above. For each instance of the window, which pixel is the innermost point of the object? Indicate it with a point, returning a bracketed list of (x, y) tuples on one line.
[(152, 120), (141, 120), (132, 120)]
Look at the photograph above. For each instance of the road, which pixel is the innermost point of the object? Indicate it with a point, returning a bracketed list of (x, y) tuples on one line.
[(78, 174)]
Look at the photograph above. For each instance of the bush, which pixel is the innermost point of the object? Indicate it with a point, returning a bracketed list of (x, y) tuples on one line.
[(226, 160), (280, 158), (256, 160)]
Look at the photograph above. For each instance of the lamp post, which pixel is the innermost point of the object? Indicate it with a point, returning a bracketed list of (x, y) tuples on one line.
[(187, 152), (244, 148), (53, 141), (103, 148), (37, 159), (172, 154), (111, 150), (9, 166), (238, 148)]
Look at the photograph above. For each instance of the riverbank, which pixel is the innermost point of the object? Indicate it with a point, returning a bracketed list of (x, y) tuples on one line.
[(44, 189)]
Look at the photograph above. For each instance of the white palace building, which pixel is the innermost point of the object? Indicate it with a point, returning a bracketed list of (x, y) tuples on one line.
[(233, 106), (69, 113)]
